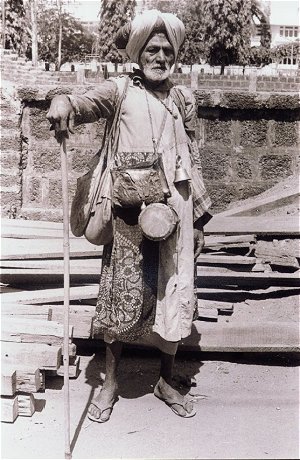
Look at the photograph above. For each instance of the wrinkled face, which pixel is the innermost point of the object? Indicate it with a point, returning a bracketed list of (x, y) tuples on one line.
[(157, 58)]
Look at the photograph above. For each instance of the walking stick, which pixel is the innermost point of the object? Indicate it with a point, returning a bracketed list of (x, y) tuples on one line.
[(66, 244)]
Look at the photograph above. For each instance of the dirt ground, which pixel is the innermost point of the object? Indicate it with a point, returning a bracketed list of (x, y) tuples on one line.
[(247, 404)]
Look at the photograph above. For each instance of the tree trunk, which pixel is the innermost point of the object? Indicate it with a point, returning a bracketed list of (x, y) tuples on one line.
[(60, 35), (3, 23), (34, 42), (222, 69)]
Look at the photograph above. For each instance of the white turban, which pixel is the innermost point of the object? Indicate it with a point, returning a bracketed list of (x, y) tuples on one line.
[(142, 26)]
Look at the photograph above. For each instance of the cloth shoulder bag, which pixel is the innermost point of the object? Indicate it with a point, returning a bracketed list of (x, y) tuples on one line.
[(91, 210)]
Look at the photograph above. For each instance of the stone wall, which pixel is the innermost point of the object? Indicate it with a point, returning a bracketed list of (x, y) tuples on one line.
[(248, 139)]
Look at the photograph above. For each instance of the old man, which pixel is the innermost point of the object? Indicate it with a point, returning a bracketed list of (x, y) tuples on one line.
[(147, 286)]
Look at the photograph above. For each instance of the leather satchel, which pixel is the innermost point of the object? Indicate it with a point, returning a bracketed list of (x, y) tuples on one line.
[(91, 209), (142, 184)]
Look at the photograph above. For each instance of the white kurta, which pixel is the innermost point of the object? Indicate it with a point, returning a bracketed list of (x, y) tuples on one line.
[(175, 300)]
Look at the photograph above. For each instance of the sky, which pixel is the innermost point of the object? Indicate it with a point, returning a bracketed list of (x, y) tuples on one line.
[(86, 10), (284, 11)]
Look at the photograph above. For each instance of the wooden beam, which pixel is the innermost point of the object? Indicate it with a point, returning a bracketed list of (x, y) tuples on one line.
[(25, 330), (288, 225), (258, 206), (248, 337), (9, 409), (30, 354), (40, 296), (46, 248), (26, 405), (24, 379), (80, 316), (8, 382), (216, 277)]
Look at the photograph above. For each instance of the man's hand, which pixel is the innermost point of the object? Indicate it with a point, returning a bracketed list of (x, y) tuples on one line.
[(61, 116), (198, 242)]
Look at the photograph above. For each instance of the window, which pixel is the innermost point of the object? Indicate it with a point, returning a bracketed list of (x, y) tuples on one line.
[(288, 31)]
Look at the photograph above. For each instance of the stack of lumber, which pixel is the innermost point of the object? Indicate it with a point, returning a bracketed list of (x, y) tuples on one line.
[(246, 248), (18, 385)]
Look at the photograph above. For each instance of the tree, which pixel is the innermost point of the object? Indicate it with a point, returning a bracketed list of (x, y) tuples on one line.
[(289, 51), (15, 26), (114, 14), (219, 31), (75, 40), (191, 14), (227, 31)]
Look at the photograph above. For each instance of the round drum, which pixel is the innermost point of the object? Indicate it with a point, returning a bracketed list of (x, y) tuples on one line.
[(158, 221)]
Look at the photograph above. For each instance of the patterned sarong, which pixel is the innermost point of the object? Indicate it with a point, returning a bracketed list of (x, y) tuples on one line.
[(128, 285)]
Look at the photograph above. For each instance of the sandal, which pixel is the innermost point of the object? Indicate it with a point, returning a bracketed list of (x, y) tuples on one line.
[(172, 403), (99, 419)]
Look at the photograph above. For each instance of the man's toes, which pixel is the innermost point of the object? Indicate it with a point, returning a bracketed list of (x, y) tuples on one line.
[(179, 409), (189, 407), (94, 412)]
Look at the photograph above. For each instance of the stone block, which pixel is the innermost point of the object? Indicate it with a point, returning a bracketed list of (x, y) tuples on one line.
[(254, 132), (285, 133), (55, 193), (10, 180), (81, 158), (34, 190), (244, 169), (45, 159), (275, 167), (39, 125), (10, 141), (217, 131), (221, 195), (9, 199), (10, 160), (216, 162)]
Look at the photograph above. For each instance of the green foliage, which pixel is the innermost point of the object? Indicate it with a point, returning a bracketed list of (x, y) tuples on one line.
[(227, 31), (16, 31), (289, 50), (114, 14), (76, 41), (191, 14), (219, 32)]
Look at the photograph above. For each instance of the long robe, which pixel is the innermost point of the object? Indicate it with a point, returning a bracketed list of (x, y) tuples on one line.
[(156, 278)]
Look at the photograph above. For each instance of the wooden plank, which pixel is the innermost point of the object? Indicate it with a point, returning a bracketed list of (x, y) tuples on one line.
[(29, 379), (42, 355), (36, 277), (250, 337), (74, 369), (284, 247), (44, 296), (8, 382), (80, 316), (288, 225), (212, 277), (261, 205), (18, 228), (94, 264), (208, 314), (225, 259), (46, 248), (27, 311), (25, 330), (217, 240), (26, 405), (26, 380), (9, 409)]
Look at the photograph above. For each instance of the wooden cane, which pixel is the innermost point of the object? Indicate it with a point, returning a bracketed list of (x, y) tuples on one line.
[(66, 244)]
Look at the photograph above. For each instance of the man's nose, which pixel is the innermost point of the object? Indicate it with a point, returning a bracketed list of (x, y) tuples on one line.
[(161, 57)]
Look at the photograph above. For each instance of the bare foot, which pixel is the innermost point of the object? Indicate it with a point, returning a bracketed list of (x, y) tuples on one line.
[(101, 406), (178, 403)]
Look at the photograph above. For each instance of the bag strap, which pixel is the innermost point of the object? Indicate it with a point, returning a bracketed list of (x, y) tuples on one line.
[(113, 134)]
